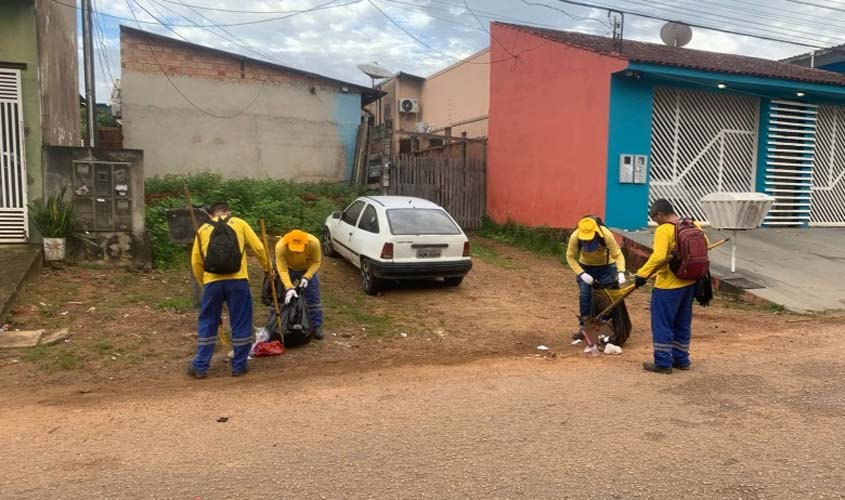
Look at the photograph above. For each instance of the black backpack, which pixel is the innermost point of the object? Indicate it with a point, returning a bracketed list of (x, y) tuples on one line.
[(224, 254)]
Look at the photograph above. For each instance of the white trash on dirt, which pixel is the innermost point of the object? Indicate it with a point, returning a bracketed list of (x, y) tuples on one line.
[(542, 348), (612, 349), (261, 335)]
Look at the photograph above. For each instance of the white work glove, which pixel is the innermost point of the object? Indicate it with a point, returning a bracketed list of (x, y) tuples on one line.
[(303, 282), (621, 279), (586, 278), (291, 294)]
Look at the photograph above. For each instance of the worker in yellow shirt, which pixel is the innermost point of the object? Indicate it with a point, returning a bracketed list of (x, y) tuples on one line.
[(298, 256), (672, 298), (219, 264), (595, 258)]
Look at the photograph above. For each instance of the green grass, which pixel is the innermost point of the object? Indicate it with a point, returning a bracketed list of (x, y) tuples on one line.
[(178, 305), (541, 240), (491, 256), (103, 347), (351, 311), (53, 358), (284, 205)]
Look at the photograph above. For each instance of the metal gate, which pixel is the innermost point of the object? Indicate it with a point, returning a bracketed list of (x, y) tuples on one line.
[(13, 184), (701, 142), (828, 190)]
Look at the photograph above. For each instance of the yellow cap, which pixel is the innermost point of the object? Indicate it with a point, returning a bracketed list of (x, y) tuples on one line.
[(296, 240), (587, 229)]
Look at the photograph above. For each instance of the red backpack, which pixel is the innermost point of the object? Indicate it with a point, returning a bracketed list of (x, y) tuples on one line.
[(689, 258)]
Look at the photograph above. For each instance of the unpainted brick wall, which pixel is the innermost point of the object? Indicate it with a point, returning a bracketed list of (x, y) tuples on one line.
[(152, 55)]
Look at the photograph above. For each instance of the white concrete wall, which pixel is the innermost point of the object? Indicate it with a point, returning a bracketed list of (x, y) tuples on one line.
[(287, 133)]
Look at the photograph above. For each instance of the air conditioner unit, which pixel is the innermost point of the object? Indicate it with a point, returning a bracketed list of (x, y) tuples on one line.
[(407, 105)]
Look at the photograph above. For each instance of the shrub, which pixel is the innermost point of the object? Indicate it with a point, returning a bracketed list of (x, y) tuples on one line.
[(544, 240), (284, 205)]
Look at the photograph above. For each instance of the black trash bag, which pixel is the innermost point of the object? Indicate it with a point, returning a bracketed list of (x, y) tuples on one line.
[(618, 319), (704, 290), (267, 291), (295, 325)]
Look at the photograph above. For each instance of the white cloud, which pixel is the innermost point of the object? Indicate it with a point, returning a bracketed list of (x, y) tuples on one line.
[(333, 41)]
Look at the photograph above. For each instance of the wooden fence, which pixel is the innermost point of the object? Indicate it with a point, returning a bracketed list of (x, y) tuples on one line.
[(459, 186)]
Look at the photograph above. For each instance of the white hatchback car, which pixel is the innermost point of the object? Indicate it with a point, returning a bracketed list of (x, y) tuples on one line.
[(397, 237)]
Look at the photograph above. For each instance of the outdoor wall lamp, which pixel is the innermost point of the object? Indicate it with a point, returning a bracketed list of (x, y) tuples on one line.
[(800, 94), (722, 85)]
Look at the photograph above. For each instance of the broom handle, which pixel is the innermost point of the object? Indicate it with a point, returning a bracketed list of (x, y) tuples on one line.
[(272, 276), (193, 219), (630, 289)]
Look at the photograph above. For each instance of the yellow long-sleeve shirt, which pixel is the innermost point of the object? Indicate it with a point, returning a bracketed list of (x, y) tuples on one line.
[(664, 243), (606, 254), (246, 238), (307, 260)]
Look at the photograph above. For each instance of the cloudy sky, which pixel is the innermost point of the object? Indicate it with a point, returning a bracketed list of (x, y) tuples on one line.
[(422, 36)]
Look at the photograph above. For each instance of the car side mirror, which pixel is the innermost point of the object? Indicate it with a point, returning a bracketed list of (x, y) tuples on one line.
[(336, 215)]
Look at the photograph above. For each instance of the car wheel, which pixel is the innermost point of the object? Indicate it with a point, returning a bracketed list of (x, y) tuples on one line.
[(453, 281), (327, 244), (369, 282)]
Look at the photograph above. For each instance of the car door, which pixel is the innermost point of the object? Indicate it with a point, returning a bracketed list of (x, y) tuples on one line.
[(367, 240), (346, 229)]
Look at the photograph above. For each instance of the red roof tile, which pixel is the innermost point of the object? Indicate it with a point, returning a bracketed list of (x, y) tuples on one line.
[(654, 53)]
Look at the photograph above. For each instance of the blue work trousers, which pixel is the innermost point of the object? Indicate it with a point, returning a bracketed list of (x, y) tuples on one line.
[(671, 325), (312, 298), (236, 295), (603, 275)]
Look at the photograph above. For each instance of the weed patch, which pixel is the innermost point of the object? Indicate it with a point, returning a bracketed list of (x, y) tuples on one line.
[(542, 240), (178, 305), (53, 358), (491, 256), (284, 205)]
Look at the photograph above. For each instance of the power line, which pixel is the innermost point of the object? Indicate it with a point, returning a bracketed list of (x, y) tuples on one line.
[(811, 20), (175, 87), (731, 23), (828, 7), (694, 25), (325, 6), (99, 29), (424, 9), (483, 27), (230, 38), (571, 16)]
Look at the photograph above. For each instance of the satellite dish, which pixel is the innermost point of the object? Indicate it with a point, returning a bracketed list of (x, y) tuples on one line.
[(375, 71), (675, 34)]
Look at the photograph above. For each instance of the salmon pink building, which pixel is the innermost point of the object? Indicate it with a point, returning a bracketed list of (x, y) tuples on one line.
[(582, 124)]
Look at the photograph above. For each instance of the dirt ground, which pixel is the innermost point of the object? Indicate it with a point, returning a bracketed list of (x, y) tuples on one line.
[(463, 406)]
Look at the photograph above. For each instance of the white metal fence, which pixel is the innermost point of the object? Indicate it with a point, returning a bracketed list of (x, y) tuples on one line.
[(13, 184), (828, 189), (701, 142)]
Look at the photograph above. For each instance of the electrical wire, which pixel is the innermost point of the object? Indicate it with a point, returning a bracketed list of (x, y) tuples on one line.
[(694, 25), (571, 16), (105, 61), (231, 38), (743, 24), (483, 27), (173, 84), (324, 6), (812, 4)]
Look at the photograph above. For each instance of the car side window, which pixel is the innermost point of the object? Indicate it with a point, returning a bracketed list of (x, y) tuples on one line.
[(369, 221), (350, 215)]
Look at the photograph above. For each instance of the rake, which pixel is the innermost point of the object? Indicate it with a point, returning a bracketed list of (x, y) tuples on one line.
[(593, 325)]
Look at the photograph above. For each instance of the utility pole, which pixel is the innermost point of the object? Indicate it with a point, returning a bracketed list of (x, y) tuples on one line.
[(90, 78)]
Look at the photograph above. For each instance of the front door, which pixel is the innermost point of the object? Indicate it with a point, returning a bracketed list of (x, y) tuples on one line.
[(701, 143), (13, 184)]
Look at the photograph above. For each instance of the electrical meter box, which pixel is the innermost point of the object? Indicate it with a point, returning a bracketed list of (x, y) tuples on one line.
[(633, 169), (102, 195)]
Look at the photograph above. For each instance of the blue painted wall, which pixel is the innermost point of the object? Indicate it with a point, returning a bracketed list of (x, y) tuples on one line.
[(837, 67), (762, 147), (626, 205), (346, 112)]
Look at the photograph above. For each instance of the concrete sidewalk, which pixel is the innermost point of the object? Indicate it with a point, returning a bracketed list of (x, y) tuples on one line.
[(800, 269), (18, 263)]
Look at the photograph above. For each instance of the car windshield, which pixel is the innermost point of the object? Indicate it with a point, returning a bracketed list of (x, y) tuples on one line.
[(405, 221)]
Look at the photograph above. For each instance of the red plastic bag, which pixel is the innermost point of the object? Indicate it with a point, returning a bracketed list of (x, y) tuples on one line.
[(273, 348)]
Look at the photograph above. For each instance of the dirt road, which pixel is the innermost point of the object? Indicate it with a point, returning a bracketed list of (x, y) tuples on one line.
[(464, 406), (758, 419)]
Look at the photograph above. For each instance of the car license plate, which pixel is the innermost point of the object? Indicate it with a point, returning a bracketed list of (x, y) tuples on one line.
[(428, 254)]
